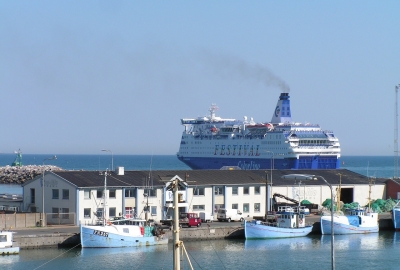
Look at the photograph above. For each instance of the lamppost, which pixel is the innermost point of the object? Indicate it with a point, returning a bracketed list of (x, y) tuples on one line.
[(112, 158), (272, 166), (43, 218), (315, 177)]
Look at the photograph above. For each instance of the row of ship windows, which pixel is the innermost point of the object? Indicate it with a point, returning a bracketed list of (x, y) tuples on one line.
[(211, 152)]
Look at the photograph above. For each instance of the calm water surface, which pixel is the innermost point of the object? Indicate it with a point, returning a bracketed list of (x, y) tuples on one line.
[(373, 251)]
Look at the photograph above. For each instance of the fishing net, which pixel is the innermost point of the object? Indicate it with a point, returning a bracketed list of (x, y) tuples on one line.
[(305, 202)]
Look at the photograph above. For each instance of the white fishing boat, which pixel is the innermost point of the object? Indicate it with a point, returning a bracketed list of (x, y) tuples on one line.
[(359, 220), (289, 222), (6, 244), (120, 231), (396, 216)]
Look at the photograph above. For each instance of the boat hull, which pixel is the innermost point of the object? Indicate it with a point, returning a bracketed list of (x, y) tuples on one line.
[(341, 226), (9, 251), (260, 231), (249, 163), (95, 237)]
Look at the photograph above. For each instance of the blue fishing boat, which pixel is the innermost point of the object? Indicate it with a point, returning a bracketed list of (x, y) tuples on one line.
[(288, 222), (119, 231)]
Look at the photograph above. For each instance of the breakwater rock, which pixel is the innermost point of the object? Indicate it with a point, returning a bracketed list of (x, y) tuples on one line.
[(21, 174)]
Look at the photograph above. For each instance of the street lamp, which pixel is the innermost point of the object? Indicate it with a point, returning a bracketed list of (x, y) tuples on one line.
[(272, 166), (112, 158), (43, 219), (315, 177)]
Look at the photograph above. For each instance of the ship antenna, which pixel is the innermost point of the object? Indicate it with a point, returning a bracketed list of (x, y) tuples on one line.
[(212, 110), (396, 135)]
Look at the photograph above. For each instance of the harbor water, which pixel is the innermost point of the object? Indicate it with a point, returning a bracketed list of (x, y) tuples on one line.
[(369, 251)]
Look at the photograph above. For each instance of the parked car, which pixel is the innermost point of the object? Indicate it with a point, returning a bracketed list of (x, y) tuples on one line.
[(229, 215)]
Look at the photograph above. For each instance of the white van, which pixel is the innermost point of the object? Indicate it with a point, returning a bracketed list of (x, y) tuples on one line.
[(229, 215), (206, 217)]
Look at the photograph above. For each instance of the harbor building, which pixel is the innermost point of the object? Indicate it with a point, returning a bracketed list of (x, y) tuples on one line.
[(77, 197)]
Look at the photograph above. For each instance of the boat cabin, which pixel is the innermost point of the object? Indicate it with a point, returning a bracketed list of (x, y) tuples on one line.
[(290, 217), (6, 244)]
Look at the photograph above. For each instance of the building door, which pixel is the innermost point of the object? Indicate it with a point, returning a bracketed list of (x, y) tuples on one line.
[(33, 195), (346, 195)]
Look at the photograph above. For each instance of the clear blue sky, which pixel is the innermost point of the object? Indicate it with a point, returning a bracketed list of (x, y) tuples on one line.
[(80, 76)]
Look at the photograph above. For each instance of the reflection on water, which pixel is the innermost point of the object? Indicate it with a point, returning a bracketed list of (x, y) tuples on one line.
[(354, 241), (366, 251), (281, 243)]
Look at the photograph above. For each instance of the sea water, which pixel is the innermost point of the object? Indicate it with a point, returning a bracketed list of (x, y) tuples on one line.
[(368, 251), (371, 166)]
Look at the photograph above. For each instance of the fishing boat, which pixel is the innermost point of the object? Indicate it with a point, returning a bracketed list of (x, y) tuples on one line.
[(288, 222), (396, 216), (120, 231), (359, 220), (6, 244)]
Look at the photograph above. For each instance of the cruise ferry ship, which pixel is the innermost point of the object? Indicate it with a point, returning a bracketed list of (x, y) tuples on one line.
[(213, 142)]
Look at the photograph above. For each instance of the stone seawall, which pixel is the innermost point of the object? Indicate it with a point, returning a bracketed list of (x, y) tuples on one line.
[(21, 174)]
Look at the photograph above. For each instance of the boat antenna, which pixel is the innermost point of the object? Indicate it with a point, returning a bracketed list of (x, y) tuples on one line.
[(396, 135)]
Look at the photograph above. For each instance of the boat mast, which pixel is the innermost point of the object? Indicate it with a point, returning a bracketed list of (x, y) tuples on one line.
[(338, 192), (105, 199), (396, 135)]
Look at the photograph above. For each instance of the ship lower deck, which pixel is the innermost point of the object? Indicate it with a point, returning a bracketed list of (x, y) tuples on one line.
[(303, 162)]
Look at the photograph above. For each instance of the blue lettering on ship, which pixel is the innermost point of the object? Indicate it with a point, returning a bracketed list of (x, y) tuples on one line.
[(242, 150), (249, 166)]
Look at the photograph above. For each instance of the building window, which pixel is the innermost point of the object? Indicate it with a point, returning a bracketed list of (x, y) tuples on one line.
[(130, 193), (257, 207), (55, 193), (198, 191), (217, 207), (112, 211), (246, 191), (257, 190), (100, 212), (86, 213), (65, 194), (235, 206), (151, 192), (86, 194), (199, 207), (54, 212), (99, 193), (219, 191), (65, 213), (154, 210), (246, 208), (234, 190), (112, 193)]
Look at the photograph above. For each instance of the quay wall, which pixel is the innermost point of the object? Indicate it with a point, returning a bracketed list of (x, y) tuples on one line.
[(46, 240)]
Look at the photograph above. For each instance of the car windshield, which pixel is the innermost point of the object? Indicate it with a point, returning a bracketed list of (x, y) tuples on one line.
[(221, 211)]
